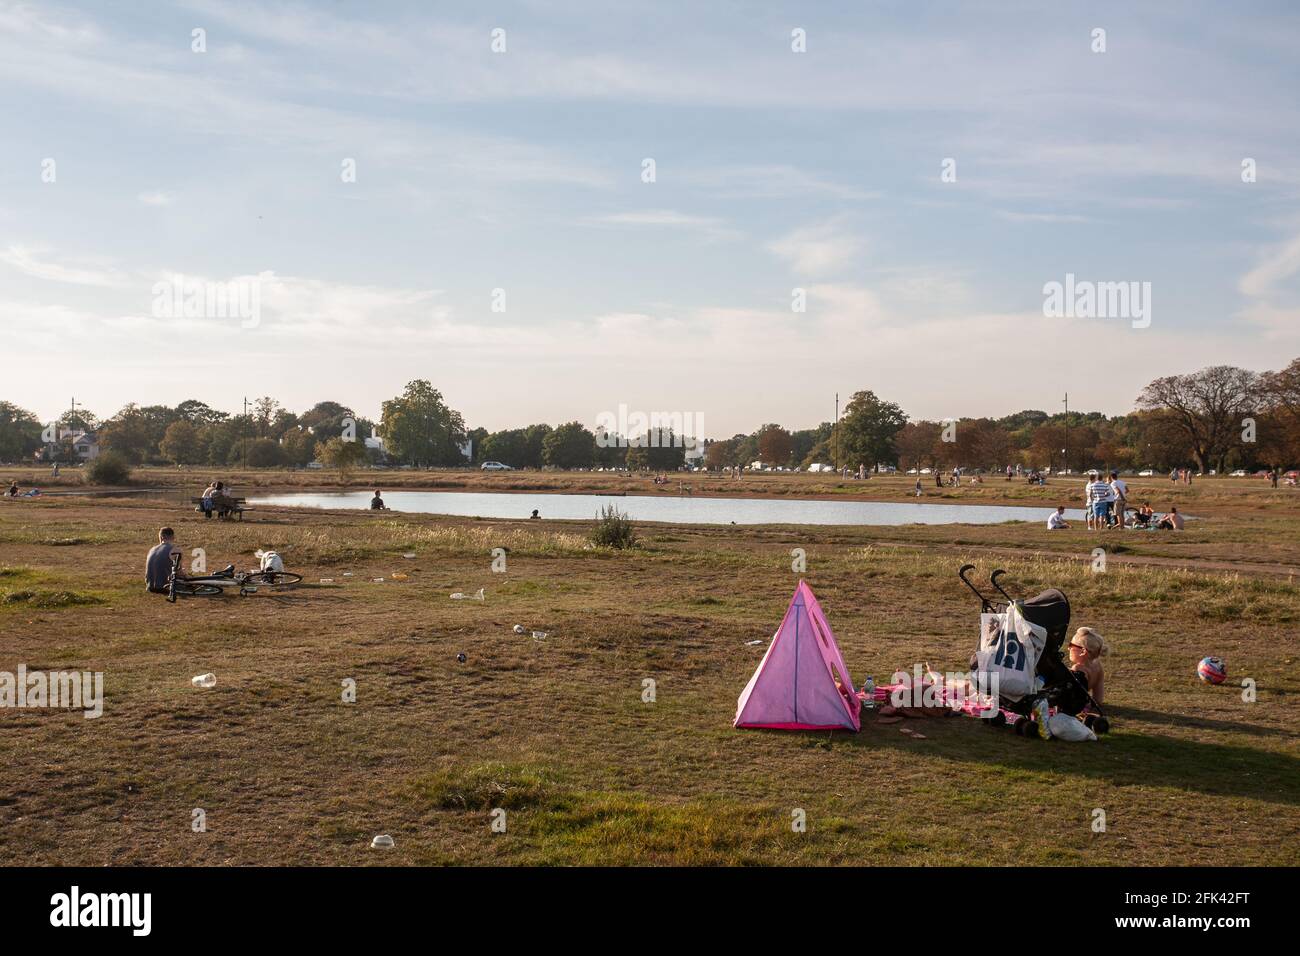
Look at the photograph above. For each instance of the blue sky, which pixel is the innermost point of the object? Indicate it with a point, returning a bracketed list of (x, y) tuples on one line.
[(521, 170)]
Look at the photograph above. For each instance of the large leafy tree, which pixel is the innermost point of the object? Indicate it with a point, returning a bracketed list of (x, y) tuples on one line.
[(915, 443), (132, 433), (569, 446), (298, 446), (1207, 407), (1279, 433), (868, 428), (181, 444), (534, 444), (775, 445), (508, 447), (20, 432), (659, 449), (420, 429), (199, 413)]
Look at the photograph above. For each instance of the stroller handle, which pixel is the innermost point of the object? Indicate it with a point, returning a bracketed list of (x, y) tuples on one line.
[(961, 573), (993, 580)]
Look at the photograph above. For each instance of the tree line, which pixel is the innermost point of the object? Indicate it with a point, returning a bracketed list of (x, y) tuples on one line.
[(1217, 418)]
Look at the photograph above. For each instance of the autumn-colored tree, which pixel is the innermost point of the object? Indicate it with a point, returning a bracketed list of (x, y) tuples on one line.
[(774, 445)]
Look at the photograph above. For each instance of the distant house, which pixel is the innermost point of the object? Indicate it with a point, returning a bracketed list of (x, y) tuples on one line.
[(85, 445)]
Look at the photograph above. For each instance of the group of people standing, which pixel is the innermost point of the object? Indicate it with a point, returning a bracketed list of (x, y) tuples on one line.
[(1106, 506), (1105, 500)]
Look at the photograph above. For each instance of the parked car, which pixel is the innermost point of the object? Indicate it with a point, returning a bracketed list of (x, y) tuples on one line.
[(1239, 473), (1145, 473), (495, 466)]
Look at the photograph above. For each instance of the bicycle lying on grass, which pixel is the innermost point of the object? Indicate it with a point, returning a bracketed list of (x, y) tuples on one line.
[(210, 585)]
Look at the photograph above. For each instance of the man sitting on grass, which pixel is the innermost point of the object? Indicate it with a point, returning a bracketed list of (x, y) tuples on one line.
[(1056, 520), (1171, 522), (158, 565), (377, 502)]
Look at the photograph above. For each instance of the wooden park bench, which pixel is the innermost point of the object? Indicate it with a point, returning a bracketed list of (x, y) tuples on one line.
[(240, 506)]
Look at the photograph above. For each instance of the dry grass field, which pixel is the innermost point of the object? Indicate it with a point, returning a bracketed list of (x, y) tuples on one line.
[(555, 732)]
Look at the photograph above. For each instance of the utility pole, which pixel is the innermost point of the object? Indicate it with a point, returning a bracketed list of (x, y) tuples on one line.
[(1066, 450), (835, 430), (243, 431)]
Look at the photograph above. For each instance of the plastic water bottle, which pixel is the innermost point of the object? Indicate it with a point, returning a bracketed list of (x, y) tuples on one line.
[(869, 689), (204, 680)]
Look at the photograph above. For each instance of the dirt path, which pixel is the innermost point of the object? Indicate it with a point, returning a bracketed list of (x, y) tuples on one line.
[(1240, 567)]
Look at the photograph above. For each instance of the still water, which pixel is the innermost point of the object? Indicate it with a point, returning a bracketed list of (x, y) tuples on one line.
[(673, 510)]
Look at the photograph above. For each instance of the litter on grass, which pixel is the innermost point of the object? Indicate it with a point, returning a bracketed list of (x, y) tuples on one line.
[(204, 680), (519, 629), (458, 596), (382, 842)]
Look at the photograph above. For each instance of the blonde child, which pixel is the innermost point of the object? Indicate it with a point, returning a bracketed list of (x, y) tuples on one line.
[(1087, 648)]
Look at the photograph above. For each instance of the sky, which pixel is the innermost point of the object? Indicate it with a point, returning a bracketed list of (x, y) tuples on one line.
[(409, 202)]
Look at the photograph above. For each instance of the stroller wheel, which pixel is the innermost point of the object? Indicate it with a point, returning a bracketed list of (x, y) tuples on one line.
[(1100, 726), (1020, 724), (998, 719)]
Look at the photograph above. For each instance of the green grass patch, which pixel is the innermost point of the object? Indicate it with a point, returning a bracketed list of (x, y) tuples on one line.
[(47, 599), (550, 823)]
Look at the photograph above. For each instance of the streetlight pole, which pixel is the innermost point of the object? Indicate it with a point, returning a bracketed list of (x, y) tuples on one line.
[(835, 430), (1066, 450)]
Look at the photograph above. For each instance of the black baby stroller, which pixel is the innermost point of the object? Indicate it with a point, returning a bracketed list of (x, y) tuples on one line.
[(1062, 688)]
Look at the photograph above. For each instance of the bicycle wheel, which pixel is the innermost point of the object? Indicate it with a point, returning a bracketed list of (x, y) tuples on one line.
[(198, 590), (279, 578)]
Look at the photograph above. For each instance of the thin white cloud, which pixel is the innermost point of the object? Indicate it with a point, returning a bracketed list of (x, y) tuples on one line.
[(1278, 265), (658, 217), (817, 250), (32, 262), (1050, 217), (157, 198)]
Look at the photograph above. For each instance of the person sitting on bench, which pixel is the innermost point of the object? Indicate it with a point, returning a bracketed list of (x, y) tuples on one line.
[(222, 501), (205, 499)]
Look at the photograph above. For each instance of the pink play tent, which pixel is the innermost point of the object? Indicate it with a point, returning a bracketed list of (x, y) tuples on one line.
[(794, 687)]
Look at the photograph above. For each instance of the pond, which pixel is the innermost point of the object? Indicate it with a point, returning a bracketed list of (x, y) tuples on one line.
[(672, 510)]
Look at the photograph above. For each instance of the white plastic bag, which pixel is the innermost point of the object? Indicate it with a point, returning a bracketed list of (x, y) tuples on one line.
[(1065, 727), (1007, 657)]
